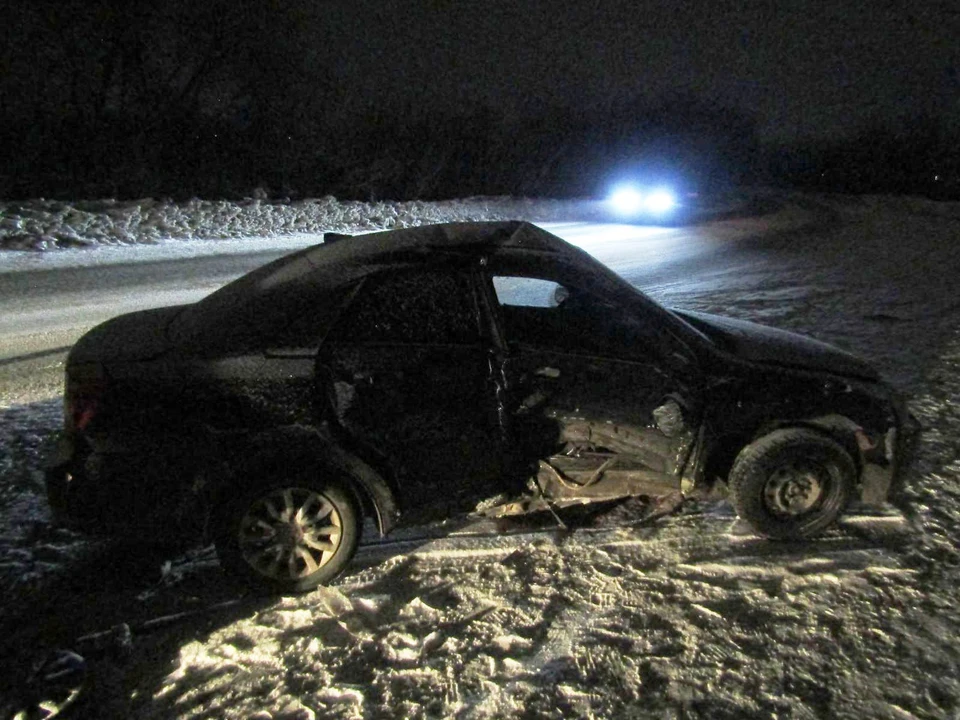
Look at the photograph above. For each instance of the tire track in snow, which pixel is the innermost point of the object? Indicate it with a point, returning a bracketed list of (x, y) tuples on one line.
[(859, 541)]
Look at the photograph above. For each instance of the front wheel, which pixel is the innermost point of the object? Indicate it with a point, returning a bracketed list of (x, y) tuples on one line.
[(792, 483), (289, 537)]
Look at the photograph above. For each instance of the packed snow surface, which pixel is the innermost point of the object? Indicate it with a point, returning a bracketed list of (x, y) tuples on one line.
[(686, 616)]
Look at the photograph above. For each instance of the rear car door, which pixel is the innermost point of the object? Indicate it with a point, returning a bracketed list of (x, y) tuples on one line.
[(407, 375), (603, 403)]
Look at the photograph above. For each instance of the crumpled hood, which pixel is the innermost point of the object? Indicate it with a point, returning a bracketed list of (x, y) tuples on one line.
[(134, 336), (760, 343)]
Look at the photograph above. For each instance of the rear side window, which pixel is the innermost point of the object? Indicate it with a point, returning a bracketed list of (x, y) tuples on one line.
[(411, 307)]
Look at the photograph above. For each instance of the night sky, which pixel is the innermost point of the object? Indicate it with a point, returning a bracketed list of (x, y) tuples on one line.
[(382, 98), (801, 69)]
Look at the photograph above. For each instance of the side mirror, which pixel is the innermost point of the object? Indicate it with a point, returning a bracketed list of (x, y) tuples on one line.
[(560, 295)]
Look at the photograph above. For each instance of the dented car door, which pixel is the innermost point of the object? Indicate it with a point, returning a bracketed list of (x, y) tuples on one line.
[(604, 404), (407, 375)]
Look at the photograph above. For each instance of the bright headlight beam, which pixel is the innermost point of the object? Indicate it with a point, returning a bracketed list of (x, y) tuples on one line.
[(627, 200), (660, 201)]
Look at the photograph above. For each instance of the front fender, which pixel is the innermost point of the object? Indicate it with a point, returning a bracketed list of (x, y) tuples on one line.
[(880, 453)]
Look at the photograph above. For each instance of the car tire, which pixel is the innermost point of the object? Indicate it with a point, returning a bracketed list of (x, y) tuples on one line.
[(792, 483), (289, 537)]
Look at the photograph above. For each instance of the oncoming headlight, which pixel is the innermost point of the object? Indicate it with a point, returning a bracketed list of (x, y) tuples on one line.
[(660, 201), (628, 200)]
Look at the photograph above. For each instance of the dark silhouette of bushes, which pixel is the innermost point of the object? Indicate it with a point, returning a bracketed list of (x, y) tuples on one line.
[(108, 98)]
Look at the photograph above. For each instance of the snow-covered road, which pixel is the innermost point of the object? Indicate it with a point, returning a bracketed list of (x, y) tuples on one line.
[(686, 617)]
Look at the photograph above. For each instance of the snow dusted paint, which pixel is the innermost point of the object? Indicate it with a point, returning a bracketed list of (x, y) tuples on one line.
[(399, 350)]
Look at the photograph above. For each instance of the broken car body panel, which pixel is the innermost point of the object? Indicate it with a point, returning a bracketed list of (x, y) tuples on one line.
[(431, 369)]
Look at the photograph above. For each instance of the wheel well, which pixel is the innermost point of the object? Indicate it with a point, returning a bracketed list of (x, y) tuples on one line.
[(721, 459), (836, 428), (840, 433), (368, 508), (300, 453)]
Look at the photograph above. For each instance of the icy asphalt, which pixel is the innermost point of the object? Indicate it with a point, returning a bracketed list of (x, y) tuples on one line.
[(689, 616)]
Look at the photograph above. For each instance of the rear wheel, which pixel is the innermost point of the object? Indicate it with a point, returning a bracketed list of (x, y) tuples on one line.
[(792, 483), (290, 537)]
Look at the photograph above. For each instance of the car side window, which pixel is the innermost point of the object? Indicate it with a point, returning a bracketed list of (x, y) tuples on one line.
[(546, 314), (527, 292), (414, 307)]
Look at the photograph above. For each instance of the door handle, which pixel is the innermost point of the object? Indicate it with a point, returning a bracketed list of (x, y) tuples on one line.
[(547, 372)]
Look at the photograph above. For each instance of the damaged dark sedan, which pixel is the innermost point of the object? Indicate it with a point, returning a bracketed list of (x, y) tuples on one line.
[(410, 375)]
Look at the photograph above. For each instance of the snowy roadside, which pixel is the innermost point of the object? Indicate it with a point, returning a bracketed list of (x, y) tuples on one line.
[(40, 225), (685, 617), (43, 225)]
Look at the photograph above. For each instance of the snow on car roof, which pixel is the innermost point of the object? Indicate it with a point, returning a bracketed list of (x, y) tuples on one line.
[(353, 256), (335, 263)]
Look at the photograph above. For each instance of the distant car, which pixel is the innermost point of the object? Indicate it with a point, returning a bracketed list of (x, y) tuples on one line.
[(410, 375)]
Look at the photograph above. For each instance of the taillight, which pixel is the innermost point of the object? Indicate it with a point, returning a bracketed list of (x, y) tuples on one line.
[(82, 399)]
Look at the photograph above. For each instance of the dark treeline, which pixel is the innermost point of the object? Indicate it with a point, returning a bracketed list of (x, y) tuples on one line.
[(919, 156), (108, 98), (216, 98)]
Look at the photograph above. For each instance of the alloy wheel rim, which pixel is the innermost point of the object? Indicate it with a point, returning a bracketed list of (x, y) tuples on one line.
[(290, 533)]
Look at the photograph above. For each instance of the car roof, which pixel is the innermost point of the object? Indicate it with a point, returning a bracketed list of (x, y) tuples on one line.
[(355, 255), (460, 236), (335, 264)]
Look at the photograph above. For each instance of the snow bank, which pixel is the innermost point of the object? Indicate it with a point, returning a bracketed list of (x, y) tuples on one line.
[(51, 224)]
